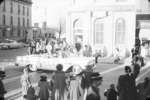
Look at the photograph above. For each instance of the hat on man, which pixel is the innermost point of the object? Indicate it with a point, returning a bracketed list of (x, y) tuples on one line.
[(43, 75), (96, 76)]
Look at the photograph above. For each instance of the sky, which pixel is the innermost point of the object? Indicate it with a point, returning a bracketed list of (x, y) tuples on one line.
[(49, 10)]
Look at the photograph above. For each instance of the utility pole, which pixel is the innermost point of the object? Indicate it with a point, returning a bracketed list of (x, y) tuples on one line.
[(60, 29)]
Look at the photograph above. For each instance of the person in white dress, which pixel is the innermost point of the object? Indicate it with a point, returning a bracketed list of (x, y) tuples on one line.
[(75, 90), (25, 81), (49, 48)]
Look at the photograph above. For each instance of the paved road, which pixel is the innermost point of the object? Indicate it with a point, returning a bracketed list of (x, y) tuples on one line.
[(10, 55)]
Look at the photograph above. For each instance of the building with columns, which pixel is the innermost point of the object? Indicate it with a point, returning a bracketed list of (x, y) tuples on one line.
[(15, 18), (104, 24)]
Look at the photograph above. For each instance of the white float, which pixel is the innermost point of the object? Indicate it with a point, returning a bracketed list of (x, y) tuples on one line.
[(46, 63)]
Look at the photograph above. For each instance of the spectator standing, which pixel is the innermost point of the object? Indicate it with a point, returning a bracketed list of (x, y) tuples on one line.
[(127, 84), (59, 83), (144, 89), (86, 81), (93, 91), (37, 47), (75, 90), (49, 48), (31, 94), (2, 88), (111, 93), (25, 81), (44, 87)]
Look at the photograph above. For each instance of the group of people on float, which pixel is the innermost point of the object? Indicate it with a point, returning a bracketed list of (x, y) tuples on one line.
[(58, 48)]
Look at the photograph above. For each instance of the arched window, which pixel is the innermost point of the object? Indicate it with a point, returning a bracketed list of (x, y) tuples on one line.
[(78, 29), (98, 31), (120, 31)]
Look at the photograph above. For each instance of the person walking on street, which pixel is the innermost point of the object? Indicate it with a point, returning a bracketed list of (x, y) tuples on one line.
[(143, 89), (75, 90), (93, 92), (59, 83), (86, 81), (25, 81), (111, 93), (127, 84), (2, 88), (31, 94), (44, 88)]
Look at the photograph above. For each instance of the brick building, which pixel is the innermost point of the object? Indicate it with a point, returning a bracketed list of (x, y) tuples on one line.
[(15, 18)]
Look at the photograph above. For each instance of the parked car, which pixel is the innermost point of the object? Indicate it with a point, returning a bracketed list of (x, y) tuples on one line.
[(11, 44)]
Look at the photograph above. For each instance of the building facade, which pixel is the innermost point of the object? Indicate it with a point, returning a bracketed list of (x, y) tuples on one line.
[(142, 16), (104, 24), (15, 18)]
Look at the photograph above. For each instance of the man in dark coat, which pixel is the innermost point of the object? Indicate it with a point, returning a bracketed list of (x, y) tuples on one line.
[(2, 88), (111, 93), (127, 84), (93, 92)]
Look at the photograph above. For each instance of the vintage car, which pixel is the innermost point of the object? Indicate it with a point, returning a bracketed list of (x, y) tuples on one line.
[(11, 44), (45, 63)]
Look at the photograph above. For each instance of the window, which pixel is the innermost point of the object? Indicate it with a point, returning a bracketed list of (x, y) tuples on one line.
[(98, 31), (120, 31), (18, 9), (4, 20), (11, 20), (18, 21), (11, 6), (27, 11), (19, 32), (28, 23), (4, 6), (23, 10), (4, 33), (23, 22)]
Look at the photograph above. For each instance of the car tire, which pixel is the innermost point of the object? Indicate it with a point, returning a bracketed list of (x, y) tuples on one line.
[(32, 68)]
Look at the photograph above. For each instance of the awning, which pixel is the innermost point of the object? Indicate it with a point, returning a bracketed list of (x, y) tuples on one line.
[(144, 34)]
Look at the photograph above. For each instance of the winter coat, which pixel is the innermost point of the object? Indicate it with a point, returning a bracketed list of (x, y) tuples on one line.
[(2, 90), (127, 87), (86, 81), (44, 90), (59, 80), (31, 94), (111, 94), (93, 94)]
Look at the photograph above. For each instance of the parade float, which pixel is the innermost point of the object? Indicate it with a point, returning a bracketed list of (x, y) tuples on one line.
[(45, 62)]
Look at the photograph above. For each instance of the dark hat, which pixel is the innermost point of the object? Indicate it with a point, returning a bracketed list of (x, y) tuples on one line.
[(2, 74), (127, 68), (96, 76), (43, 75)]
